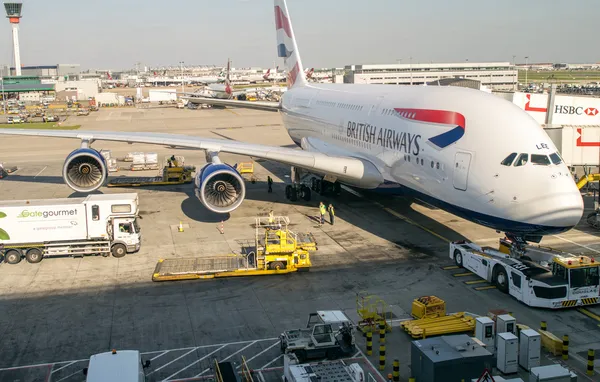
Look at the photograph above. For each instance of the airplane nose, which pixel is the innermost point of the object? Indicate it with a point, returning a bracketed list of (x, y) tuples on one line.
[(560, 210)]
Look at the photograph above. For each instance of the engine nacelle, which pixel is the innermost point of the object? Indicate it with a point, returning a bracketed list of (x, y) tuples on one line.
[(85, 170), (220, 187)]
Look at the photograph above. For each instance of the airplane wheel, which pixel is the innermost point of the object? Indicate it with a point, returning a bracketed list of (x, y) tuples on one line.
[(313, 184), (293, 194), (288, 192), (306, 194), (458, 258), (318, 185), (337, 189)]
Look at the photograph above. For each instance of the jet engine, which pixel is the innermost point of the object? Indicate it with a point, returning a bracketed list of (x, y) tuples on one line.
[(220, 187), (85, 170)]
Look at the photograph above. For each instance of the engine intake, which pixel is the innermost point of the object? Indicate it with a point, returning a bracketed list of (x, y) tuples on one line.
[(220, 188), (85, 170)]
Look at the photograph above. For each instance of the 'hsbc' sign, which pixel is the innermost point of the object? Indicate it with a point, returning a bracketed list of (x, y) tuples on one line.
[(578, 110), (567, 110)]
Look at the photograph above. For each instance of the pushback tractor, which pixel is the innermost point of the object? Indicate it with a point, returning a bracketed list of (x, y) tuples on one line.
[(537, 276)]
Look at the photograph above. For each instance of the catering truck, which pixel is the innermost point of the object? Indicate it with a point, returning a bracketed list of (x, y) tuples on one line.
[(93, 225)]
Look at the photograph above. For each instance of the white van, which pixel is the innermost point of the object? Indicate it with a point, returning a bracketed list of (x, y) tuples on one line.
[(116, 366)]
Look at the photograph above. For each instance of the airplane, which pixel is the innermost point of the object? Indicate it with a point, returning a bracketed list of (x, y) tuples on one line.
[(464, 151)]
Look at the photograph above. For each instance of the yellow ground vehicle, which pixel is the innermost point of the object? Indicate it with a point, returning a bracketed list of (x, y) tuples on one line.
[(586, 179), (274, 250), (178, 173)]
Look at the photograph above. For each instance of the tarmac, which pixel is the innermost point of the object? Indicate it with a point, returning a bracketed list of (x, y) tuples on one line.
[(57, 313)]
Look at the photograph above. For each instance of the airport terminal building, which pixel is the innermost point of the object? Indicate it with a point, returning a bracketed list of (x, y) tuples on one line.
[(494, 75)]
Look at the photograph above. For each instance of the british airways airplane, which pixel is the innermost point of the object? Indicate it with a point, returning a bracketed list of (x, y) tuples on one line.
[(462, 150)]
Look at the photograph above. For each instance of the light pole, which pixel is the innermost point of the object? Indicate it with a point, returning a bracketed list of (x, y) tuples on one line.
[(515, 71), (526, 69), (3, 98), (182, 83), (410, 66)]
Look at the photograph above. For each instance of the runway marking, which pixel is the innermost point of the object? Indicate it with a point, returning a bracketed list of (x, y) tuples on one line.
[(228, 357), (485, 287), (60, 368), (581, 245), (450, 267), (176, 359), (462, 274), (262, 352), (195, 362), (40, 172), (475, 282), (158, 356), (69, 376), (271, 362), (589, 314)]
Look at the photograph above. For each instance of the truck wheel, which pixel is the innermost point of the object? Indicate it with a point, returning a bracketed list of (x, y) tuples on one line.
[(34, 256), (12, 256), (501, 279), (458, 258), (119, 250), (276, 265)]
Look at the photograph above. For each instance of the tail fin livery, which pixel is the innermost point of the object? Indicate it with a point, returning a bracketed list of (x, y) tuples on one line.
[(267, 74), (227, 79), (287, 47)]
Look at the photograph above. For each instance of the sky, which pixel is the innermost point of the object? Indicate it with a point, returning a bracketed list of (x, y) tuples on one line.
[(115, 34)]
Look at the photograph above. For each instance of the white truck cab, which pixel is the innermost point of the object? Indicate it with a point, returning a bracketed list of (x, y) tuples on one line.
[(116, 366)]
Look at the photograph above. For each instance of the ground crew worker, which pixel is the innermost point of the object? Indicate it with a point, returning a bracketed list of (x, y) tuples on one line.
[(322, 210), (270, 183), (331, 213), (271, 217), (174, 160)]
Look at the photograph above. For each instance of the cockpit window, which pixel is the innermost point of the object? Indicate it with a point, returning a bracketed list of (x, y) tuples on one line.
[(509, 159), (555, 158), (522, 160), (539, 159)]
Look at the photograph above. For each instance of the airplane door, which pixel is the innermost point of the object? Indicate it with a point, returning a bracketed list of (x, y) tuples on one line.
[(462, 161)]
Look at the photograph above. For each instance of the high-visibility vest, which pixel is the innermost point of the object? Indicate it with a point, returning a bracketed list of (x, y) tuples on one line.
[(331, 211), (323, 210)]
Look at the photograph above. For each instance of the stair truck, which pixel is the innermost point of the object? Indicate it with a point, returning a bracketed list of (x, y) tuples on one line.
[(328, 334), (96, 224), (536, 276)]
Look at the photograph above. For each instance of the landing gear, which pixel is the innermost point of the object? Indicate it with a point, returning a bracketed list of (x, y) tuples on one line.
[(293, 192), (304, 191)]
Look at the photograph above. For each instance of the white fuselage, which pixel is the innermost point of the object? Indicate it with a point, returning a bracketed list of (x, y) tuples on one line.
[(392, 127)]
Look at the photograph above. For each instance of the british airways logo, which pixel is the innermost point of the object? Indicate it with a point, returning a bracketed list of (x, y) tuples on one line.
[(442, 117), (406, 142)]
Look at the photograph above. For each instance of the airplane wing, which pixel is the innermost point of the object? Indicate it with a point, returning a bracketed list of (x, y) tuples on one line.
[(257, 105), (351, 170)]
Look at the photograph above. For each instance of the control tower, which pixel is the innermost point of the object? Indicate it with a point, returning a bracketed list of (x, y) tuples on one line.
[(13, 13)]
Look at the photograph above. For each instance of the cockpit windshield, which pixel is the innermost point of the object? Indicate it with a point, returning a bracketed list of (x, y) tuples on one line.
[(509, 159), (522, 160), (555, 158), (540, 159)]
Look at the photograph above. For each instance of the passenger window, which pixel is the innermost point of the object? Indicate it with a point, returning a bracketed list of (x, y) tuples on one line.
[(509, 159), (555, 158), (95, 212), (522, 160)]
